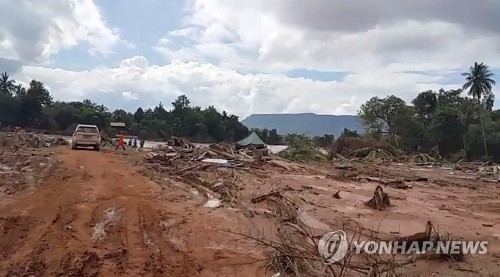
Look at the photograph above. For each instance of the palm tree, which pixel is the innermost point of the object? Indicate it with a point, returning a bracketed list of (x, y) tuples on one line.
[(7, 85), (479, 81)]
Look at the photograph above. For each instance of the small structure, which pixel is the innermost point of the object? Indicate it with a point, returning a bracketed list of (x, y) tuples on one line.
[(120, 128), (117, 124), (252, 141)]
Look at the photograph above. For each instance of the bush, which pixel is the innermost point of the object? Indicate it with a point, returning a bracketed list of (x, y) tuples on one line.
[(360, 146)]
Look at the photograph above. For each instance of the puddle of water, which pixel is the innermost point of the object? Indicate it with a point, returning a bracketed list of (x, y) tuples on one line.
[(111, 215)]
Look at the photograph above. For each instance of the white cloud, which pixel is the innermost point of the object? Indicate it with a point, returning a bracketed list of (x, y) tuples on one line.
[(32, 32), (237, 93), (127, 95), (284, 35), (222, 40)]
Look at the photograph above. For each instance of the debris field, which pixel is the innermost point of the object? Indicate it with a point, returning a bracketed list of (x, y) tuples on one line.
[(188, 210)]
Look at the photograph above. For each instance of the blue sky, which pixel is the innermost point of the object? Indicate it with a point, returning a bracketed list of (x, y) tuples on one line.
[(244, 56)]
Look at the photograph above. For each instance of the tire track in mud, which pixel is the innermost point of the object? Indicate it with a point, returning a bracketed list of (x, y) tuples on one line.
[(156, 240)]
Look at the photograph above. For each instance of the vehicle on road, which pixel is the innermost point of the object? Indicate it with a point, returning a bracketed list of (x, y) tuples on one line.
[(86, 136)]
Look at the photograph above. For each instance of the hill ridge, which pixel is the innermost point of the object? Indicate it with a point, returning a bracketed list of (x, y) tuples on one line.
[(300, 123)]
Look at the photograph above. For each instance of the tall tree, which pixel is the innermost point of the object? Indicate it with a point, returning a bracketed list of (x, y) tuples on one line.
[(7, 85), (32, 103), (380, 115), (139, 115), (479, 81)]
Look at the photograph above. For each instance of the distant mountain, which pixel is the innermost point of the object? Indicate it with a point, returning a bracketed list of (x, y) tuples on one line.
[(313, 124)]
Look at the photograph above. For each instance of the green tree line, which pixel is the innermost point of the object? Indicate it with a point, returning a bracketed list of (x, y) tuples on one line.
[(449, 123), (33, 107)]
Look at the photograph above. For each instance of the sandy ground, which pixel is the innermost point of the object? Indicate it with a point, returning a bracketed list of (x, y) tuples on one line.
[(99, 215)]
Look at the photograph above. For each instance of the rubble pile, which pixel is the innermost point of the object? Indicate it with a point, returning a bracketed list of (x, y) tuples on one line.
[(180, 157), (21, 165), (29, 140), (180, 142), (211, 170)]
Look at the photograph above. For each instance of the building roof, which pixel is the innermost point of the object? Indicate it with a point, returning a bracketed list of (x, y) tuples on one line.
[(117, 124), (252, 139)]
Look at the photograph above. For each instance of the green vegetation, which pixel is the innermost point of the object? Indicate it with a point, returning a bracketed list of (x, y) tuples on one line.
[(452, 124), (301, 149), (34, 108), (446, 122)]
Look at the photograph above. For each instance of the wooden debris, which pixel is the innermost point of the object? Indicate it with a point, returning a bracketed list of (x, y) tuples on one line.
[(416, 179), (180, 142), (337, 195), (380, 199), (418, 237), (262, 198), (179, 155), (344, 166), (399, 184)]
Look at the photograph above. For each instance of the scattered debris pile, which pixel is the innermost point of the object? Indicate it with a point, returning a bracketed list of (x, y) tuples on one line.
[(293, 250), (184, 157), (218, 184), (28, 140), (422, 159), (359, 147), (20, 164), (379, 155), (302, 149), (210, 170), (180, 142)]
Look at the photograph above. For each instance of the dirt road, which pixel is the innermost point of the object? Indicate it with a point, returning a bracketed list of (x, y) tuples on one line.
[(97, 216)]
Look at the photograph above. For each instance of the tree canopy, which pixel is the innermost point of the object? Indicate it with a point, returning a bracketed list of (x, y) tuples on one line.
[(446, 121), (33, 107)]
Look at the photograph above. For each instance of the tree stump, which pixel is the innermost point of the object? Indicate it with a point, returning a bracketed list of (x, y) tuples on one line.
[(380, 199)]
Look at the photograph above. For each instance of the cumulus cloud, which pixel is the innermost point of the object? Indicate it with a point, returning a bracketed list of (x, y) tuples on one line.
[(127, 95), (238, 93), (235, 54), (343, 35), (31, 32)]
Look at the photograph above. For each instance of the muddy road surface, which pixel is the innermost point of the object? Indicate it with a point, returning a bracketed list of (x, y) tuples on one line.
[(97, 216)]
